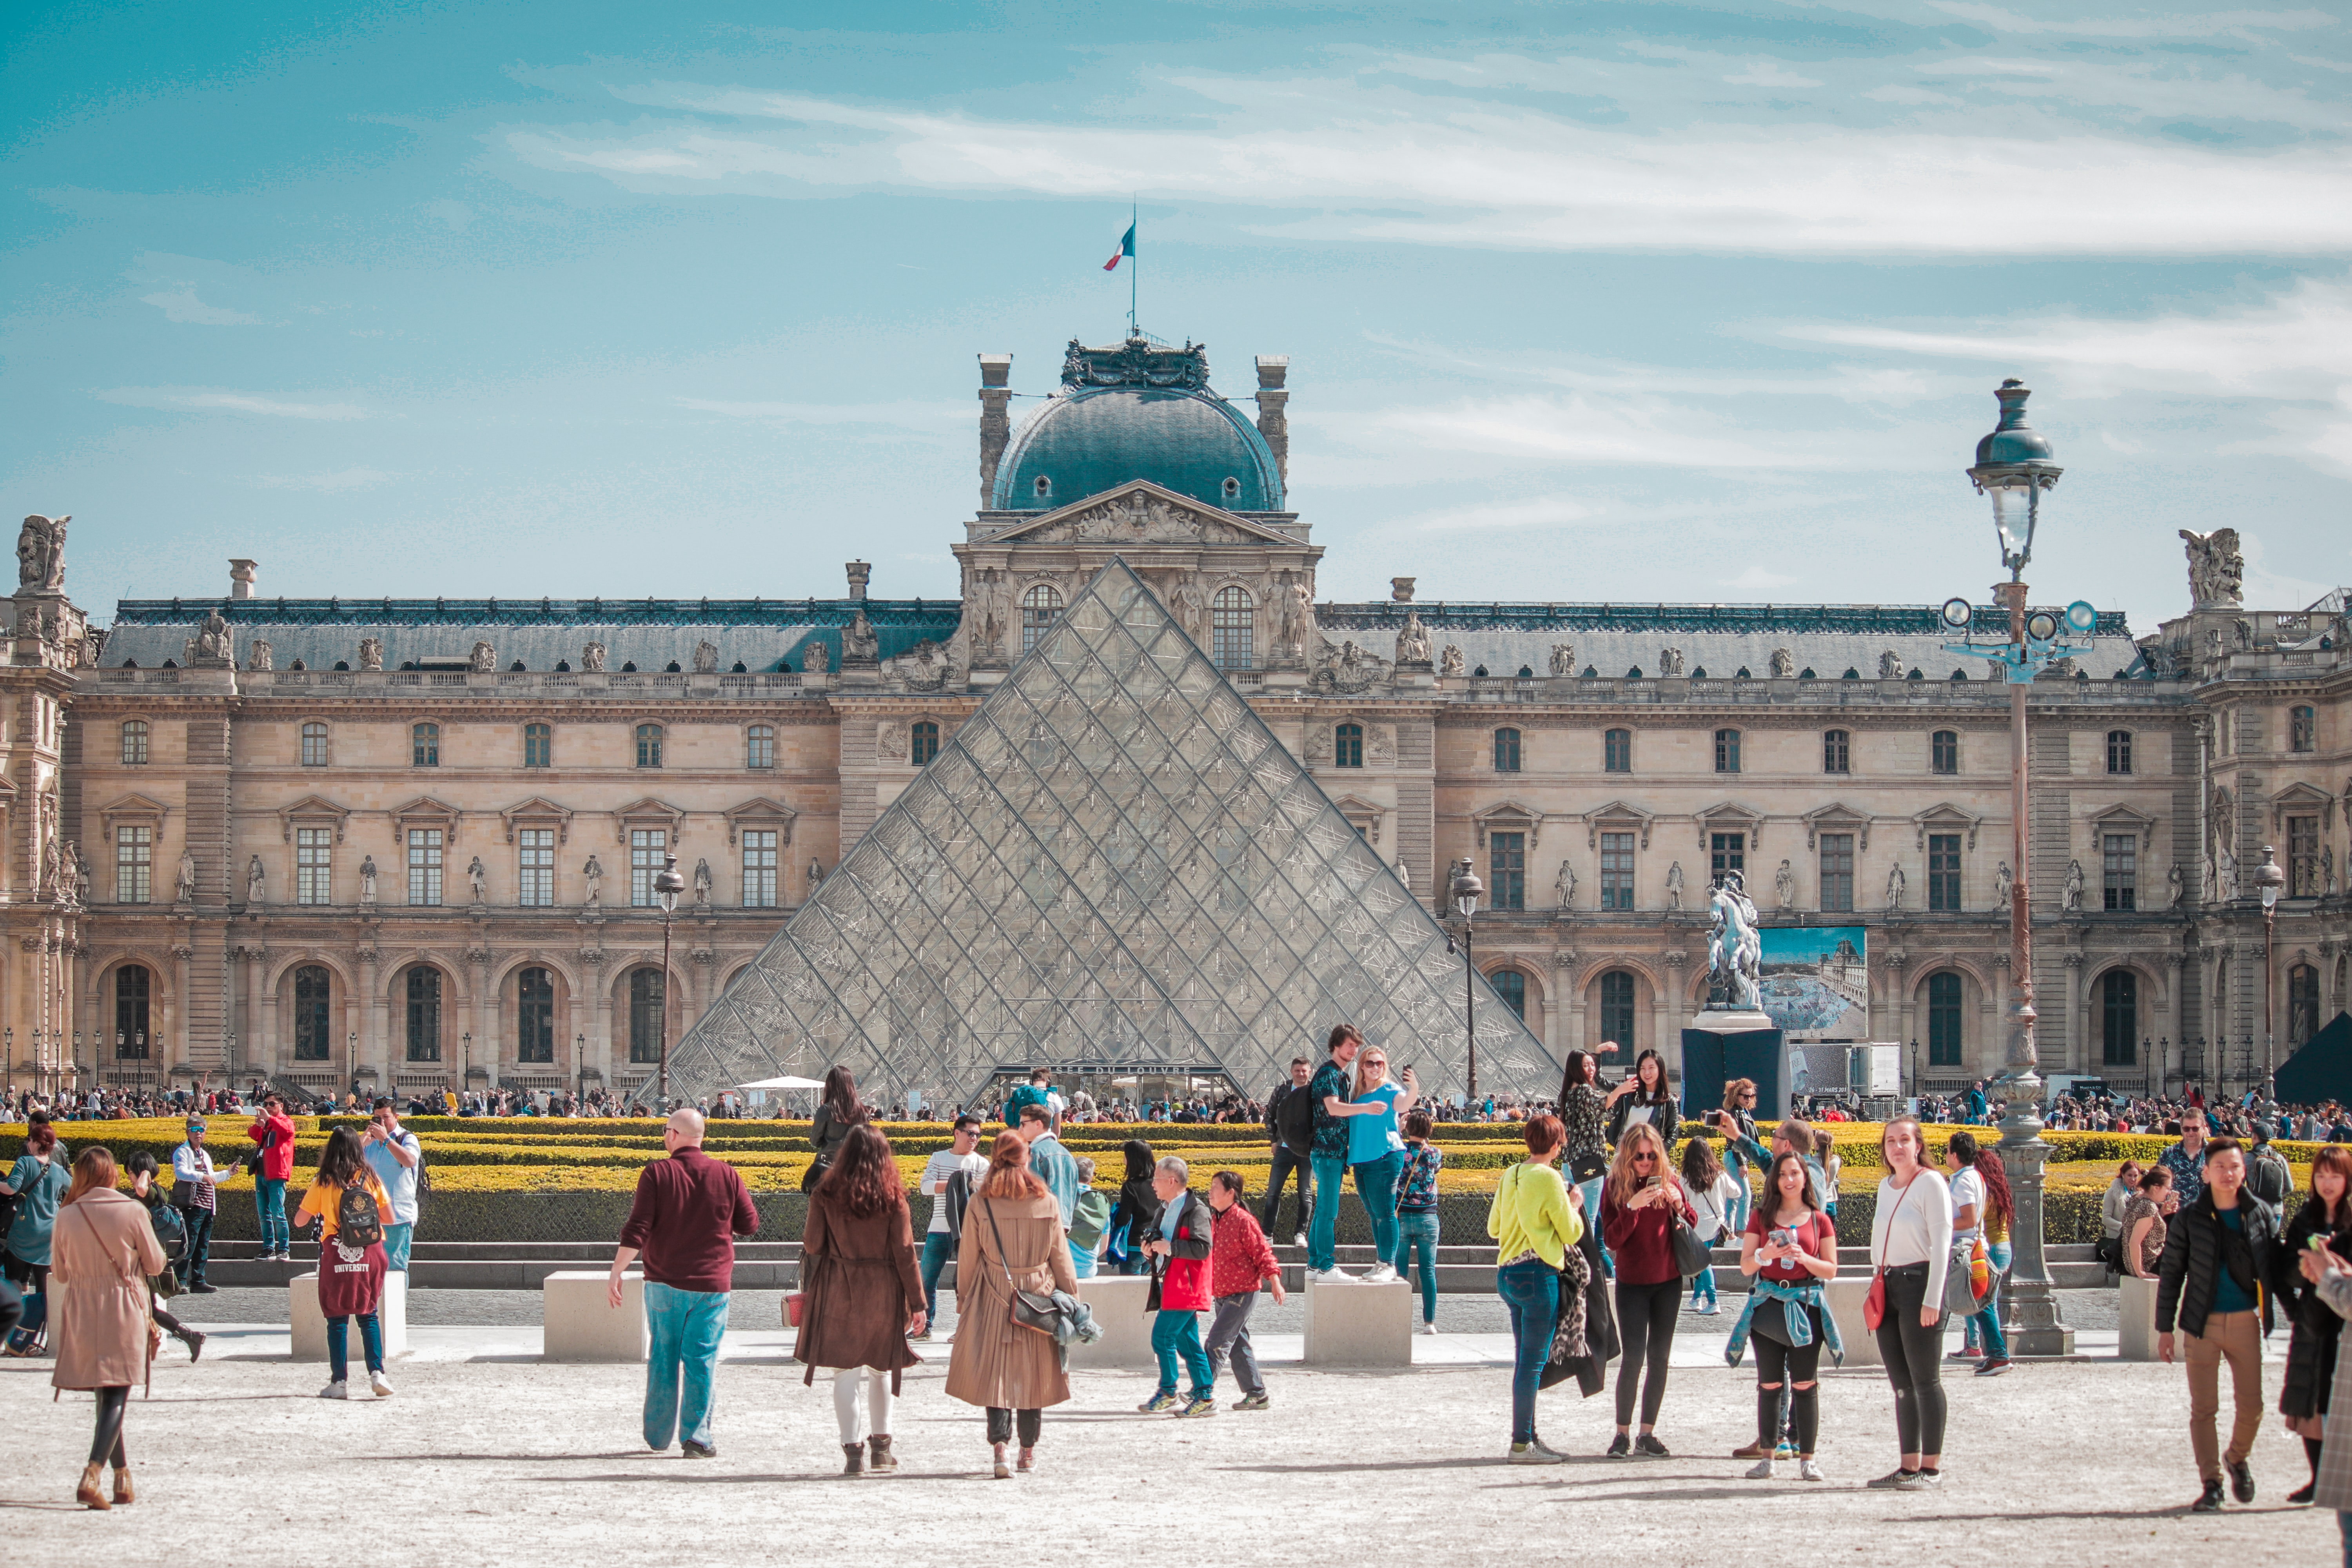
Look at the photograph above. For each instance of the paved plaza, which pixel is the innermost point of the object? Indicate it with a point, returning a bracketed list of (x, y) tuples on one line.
[(486, 1455)]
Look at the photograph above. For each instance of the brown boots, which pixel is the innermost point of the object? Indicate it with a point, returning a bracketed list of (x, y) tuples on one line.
[(86, 1494), (853, 1458), (122, 1492), (882, 1461)]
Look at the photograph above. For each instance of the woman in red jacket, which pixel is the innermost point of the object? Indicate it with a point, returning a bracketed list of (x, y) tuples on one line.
[(1240, 1261), (1635, 1202)]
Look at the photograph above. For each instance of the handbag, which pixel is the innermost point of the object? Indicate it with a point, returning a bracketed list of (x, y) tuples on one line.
[(1034, 1310), (1969, 1263), (1692, 1256), (1588, 1167), (1874, 1300), (795, 1307)]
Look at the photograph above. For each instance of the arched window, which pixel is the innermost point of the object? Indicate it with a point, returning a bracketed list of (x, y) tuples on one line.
[(647, 997), (424, 1020), (2119, 1019), (2302, 730), (134, 987), (759, 747), (1837, 751), (923, 742), (2119, 750), (534, 1015), (538, 745), (1726, 751), (314, 744), (2302, 1004), (1944, 751), (134, 742), (425, 745), (1506, 750), (314, 1019), (1944, 1020), (1617, 1010), (1512, 987), (1617, 751), (649, 745), (1348, 746), (1041, 606), (1232, 619)]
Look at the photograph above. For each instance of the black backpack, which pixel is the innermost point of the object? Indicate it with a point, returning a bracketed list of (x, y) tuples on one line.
[(1294, 1118), (357, 1222)]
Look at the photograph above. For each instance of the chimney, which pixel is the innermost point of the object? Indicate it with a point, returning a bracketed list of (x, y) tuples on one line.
[(995, 424), (1272, 371), (858, 572), (240, 578)]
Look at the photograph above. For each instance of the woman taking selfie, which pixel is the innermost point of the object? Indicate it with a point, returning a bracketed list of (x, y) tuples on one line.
[(1789, 1247), (1911, 1248), (1584, 1113), (1635, 1203), (1645, 1099)]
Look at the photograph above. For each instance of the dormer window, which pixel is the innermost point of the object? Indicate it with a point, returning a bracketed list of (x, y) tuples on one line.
[(1044, 487), (1232, 489)]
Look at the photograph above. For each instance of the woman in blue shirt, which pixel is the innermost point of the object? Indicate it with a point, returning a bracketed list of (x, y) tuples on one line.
[(1376, 1152)]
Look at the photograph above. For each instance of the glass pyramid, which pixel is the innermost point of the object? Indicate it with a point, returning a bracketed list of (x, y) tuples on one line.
[(1114, 867)]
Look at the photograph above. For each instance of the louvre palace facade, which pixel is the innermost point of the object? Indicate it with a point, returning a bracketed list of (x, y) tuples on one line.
[(401, 843)]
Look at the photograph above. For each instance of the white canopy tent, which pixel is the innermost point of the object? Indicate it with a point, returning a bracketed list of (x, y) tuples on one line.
[(758, 1089)]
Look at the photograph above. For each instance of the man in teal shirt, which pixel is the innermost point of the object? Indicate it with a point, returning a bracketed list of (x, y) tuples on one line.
[(1058, 1169), (1036, 1091)]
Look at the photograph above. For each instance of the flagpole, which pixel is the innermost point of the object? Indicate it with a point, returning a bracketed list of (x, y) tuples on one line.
[(1133, 279)]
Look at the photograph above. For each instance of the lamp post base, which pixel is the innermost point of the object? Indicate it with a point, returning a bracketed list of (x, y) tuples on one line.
[(2033, 1325)]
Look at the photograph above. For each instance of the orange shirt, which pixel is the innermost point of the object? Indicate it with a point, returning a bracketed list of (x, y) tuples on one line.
[(325, 1199)]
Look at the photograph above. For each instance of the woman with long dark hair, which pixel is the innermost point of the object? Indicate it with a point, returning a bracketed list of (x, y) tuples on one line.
[(1789, 1247), (1640, 1195), (1644, 1097), (837, 1111), (1012, 1240), (1911, 1246), (351, 1267), (104, 1251), (2312, 1348), (1584, 1113), (1982, 1206), (864, 1294), (1138, 1209)]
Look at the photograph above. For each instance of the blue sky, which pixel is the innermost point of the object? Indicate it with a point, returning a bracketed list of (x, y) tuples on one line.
[(1606, 301)]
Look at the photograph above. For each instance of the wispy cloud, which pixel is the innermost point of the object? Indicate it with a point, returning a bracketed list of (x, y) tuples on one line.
[(1649, 432), (910, 415), (340, 480), (2184, 25), (214, 400), (181, 304)]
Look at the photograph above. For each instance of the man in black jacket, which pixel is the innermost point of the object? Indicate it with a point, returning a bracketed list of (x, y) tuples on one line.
[(1290, 1117), (2219, 1250)]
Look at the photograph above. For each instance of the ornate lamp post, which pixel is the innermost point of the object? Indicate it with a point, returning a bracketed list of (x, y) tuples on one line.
[(668, 886), (2014, 466), (1465, 890), (2269, 880)]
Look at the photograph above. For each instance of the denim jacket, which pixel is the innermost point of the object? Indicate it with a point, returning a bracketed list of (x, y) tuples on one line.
[(1793, 1299)]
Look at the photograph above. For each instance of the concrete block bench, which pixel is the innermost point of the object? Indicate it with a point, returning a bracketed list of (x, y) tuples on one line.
[(1355, 1324), (579, 1323), (308, 1325), (2135, 1318), (1117, 1303), (1845, 1305)]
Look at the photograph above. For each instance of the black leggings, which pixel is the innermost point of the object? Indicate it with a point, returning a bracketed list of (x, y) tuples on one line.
[(1777, 1367), (1000, 1425), (1915, 1358), (106, 1443), (1645, 1322)]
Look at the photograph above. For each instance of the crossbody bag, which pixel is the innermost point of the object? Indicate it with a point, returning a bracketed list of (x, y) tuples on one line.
[(1036, 1310), (1874, 1302)]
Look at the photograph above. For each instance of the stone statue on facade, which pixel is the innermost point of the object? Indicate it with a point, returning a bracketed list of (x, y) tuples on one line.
[(1784, 665), (702, 884), (706, 658), (1675, 886), (371, 653), (1412, 640), (1564, 886), (2226, 874), (213, 641), (816, 657), (483, 659), (1890, 666), (2216, 569), (184, 886), (254, 877), (367, 879), (1784, 886), (1563, 658), (2004, 882), (477, 882), (1449, 663), (593, 874), (591, 659), (1297, 618), (859, 643), (1404, 875), (258, 660), (1896, 885), (1670, 661), (1735, 952), (80, 869), (2073, 885), (1192, 611), (815, 878), (41, 553), (2327, 871)]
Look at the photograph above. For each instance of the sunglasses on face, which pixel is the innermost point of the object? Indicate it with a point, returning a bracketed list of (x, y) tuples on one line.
[(1644, 1158)]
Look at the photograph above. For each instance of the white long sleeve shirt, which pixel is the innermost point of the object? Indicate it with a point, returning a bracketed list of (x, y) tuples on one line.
[(1914, 1224), (193, 1164)]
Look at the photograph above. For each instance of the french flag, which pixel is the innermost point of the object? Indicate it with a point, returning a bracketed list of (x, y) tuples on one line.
[(1126, 249)]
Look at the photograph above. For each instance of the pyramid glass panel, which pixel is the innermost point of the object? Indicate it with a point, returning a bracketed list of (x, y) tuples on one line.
[(1113, 866)]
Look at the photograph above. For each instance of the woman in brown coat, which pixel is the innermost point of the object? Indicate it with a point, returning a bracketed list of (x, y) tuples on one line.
[(1012, 1227), (100, 1255), (863, 1291)]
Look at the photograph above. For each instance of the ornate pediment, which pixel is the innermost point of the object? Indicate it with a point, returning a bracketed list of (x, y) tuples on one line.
[(1836, 817), (1945, 818), (311, 811), (538, 812), (761, 813), (2123, 819), (425, 810), (1618, 816), (1365, 815), (1507, 817), (1729, 815), (2299, 798), (1141, 512), (648, 811), (131, 808)]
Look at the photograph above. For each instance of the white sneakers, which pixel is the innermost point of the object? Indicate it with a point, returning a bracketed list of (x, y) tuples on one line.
[(378, 1386), (1298, 1240), (1382, 1275), (1428, 1328), (1761, 1470), (1809, 1471), (339, 1389), (335, 1390), (1329, 1276)]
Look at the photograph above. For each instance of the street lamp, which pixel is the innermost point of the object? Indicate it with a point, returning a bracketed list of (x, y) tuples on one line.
[(2014, 466), (1465, 890), (2269, 880), (668, 886)]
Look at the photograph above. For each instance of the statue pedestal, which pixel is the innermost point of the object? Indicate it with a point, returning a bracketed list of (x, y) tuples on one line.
[(1720, 1045), (1728, 1021)]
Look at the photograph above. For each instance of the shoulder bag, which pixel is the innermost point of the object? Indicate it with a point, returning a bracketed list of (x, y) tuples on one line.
[(1692, 1256), (1873, 1302), (1034, 1310)]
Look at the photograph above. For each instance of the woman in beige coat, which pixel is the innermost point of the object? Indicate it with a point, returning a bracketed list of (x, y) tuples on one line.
[(100, 1255), (997, 1364)]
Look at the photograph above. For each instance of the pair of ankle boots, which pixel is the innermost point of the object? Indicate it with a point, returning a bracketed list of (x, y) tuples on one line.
[(873, 1456), (89, 1495)]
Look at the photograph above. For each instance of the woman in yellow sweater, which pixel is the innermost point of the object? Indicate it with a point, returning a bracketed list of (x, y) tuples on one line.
[(1534, 1222)]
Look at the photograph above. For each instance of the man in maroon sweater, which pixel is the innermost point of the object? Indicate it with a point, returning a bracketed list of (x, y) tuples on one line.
[(688, 1209)]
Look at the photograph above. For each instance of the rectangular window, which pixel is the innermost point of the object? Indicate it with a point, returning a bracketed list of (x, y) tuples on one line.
[(425, 865), (2122, 871), (1944, 751), (2119, 751), (1837, 871), (2303, 879), (134, 865), (648, 846), (1944, 1020), (1726, 852), (1944, 871), (1506, 750), (314, 745), (1837, 751), (1617, 751), (314, 866), (538, 745), (535, 868), (1616, 870), (134, 742), (649, 745), (759, 868), (759, 747), (1507, 860), (1726, 751), (425, 745)]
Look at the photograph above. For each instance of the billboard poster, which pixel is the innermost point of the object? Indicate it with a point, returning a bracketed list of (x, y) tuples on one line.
[(1816, 981)]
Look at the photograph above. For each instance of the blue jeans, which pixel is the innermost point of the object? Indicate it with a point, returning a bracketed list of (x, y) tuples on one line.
[(1591, 1216), (339, 1353), (396, 1238), (938, 1247), (1375, 1183), (1322, 1238), (1418, 1227), (200, 1244), (1531, 1289), (269, 1197), (1703, 1287), (1984, 1328), (1176, 1335), (1082, 1262), (686, 1327)]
